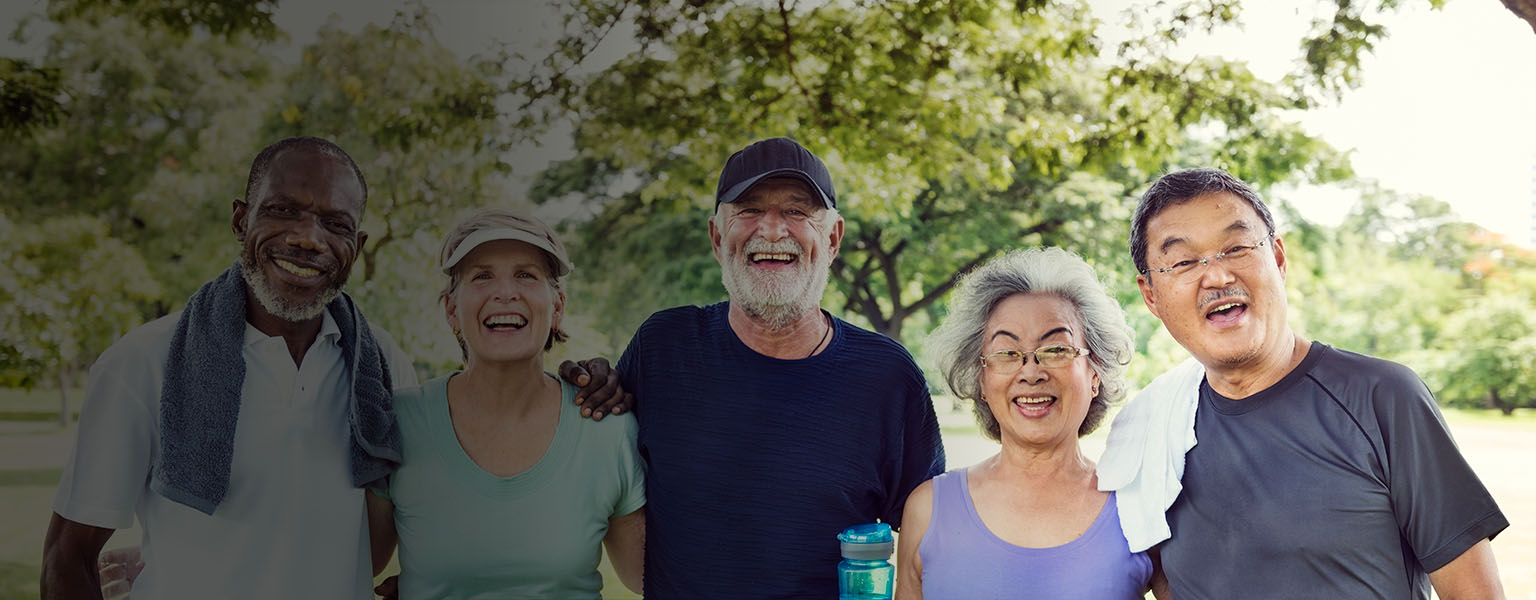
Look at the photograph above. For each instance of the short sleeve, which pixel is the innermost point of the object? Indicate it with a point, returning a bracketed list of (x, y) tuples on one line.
[(631, 470), (109, 467), (922, 456), (628, 367), (1442, 507)]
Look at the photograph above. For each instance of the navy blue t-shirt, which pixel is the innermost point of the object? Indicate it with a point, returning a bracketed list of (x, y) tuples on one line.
[(1339, 481), (755, 464)]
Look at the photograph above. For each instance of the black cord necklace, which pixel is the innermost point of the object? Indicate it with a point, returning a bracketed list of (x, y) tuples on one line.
[(824, 335)]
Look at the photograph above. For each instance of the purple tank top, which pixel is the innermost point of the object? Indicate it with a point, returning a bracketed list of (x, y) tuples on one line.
[(963, 559)]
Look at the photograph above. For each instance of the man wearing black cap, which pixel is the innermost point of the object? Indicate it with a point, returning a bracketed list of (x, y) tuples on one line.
[(767, 424)]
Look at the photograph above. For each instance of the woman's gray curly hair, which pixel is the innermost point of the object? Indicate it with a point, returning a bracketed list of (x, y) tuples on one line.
[(958, 340)]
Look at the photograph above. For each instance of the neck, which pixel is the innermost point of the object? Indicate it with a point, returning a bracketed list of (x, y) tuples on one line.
[(803, 337), (1242, 381), (513, 387), (1062, 464), (298, 335)]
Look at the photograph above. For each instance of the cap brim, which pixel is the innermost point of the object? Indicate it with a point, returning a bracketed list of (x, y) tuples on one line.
[(734, 194), (562, 264)]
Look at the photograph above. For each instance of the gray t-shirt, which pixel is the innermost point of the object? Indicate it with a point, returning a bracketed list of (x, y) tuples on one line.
[(1339, 481)]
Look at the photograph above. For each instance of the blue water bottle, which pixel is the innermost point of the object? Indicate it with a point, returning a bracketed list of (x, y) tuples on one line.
[(865, 572)]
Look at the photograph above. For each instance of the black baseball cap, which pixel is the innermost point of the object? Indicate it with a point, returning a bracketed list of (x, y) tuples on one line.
[(773, 157)]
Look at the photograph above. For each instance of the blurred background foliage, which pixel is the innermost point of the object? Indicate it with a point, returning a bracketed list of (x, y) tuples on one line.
[(955, 130)]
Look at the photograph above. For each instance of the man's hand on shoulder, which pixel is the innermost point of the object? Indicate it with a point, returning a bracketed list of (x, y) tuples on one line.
[(600, 392)]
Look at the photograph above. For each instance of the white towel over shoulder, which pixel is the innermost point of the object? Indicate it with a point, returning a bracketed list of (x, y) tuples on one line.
[(1144, 456)]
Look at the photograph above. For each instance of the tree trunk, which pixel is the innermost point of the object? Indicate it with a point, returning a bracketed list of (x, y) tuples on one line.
[(64, 380), (1525, 9), (1494, 401)]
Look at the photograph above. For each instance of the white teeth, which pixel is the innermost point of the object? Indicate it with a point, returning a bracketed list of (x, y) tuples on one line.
[(506, 320), (1039, 400), (295, 269), (784, 256), (1224, 307)]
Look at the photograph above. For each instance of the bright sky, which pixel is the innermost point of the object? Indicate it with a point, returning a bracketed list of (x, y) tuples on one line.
[(1445, 108)]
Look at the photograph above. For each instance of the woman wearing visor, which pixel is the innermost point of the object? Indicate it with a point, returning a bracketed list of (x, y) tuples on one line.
[(1036, 343), (505, 490)]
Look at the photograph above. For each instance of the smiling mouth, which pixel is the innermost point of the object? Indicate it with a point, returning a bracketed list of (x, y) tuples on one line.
[(1226, 311), (511, 322), (1034, 404), (774, 258), (296, 269)]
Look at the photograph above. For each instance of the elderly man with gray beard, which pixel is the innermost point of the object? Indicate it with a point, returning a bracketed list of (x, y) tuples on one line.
[(768, 425)]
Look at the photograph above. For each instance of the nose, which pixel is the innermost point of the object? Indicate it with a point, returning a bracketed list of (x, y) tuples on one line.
[(773, 227), (506, 291), (305, 233), (1216, 274), (1032, 371)]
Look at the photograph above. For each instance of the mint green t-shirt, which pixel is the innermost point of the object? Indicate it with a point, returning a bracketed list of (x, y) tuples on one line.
[(465, 533)]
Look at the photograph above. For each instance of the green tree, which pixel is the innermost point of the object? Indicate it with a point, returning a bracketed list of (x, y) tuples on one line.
[(160, 127), (1485, 360), (428, 130), (70, 290), (956, 131)]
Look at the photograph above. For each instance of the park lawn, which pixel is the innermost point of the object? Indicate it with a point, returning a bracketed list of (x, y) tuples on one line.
[(36, 405)]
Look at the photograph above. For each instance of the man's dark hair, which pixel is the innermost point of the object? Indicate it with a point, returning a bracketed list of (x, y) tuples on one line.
[(263, 162), (1179, 187)]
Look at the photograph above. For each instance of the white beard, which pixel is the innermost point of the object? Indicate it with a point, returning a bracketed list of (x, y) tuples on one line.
[(261, 287), (776, 299)]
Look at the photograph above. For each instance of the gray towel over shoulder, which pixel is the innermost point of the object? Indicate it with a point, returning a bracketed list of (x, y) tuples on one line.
[(200, 400)]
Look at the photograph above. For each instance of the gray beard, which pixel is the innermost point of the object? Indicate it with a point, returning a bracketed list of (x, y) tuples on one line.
[(261, 287), (775, 304)]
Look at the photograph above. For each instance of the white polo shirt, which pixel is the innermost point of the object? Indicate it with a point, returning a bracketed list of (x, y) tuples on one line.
[(291, 524)]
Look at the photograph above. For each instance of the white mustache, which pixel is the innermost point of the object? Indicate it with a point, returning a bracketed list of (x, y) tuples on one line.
[(786, 246)]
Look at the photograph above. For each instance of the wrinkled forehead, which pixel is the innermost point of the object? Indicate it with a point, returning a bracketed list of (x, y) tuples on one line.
[(1030, 319), (314, 174), (1209, 217)]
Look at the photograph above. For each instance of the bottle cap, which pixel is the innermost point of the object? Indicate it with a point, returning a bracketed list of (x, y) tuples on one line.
[(870, 541)]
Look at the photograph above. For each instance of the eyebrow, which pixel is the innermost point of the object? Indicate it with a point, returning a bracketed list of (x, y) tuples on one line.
[(1236, 227), (282, 199), (1062, 329)]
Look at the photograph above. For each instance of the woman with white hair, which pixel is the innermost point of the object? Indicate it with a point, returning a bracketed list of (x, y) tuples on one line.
[(505, 491), (1036, 343)]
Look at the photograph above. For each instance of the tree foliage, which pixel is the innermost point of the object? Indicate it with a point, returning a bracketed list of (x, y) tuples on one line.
[(955, 131), (70, 290)]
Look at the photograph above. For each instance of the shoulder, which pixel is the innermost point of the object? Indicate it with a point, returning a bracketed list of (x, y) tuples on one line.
[(679, 317), (144, 347), (620, 427), (876, 351), (411, 402), (1350, 375), (402, 368), (920, 502)]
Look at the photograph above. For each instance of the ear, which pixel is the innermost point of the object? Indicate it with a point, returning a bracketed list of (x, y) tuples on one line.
[(1094, 386), (362, 238), (715, 240), (559, 314), (451, 313), (837, 236), (1279, 253), (1148, 295), (239, 210)]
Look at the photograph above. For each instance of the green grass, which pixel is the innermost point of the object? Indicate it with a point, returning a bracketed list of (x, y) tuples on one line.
[(36, 400), (1523, 418), (20, 477)]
